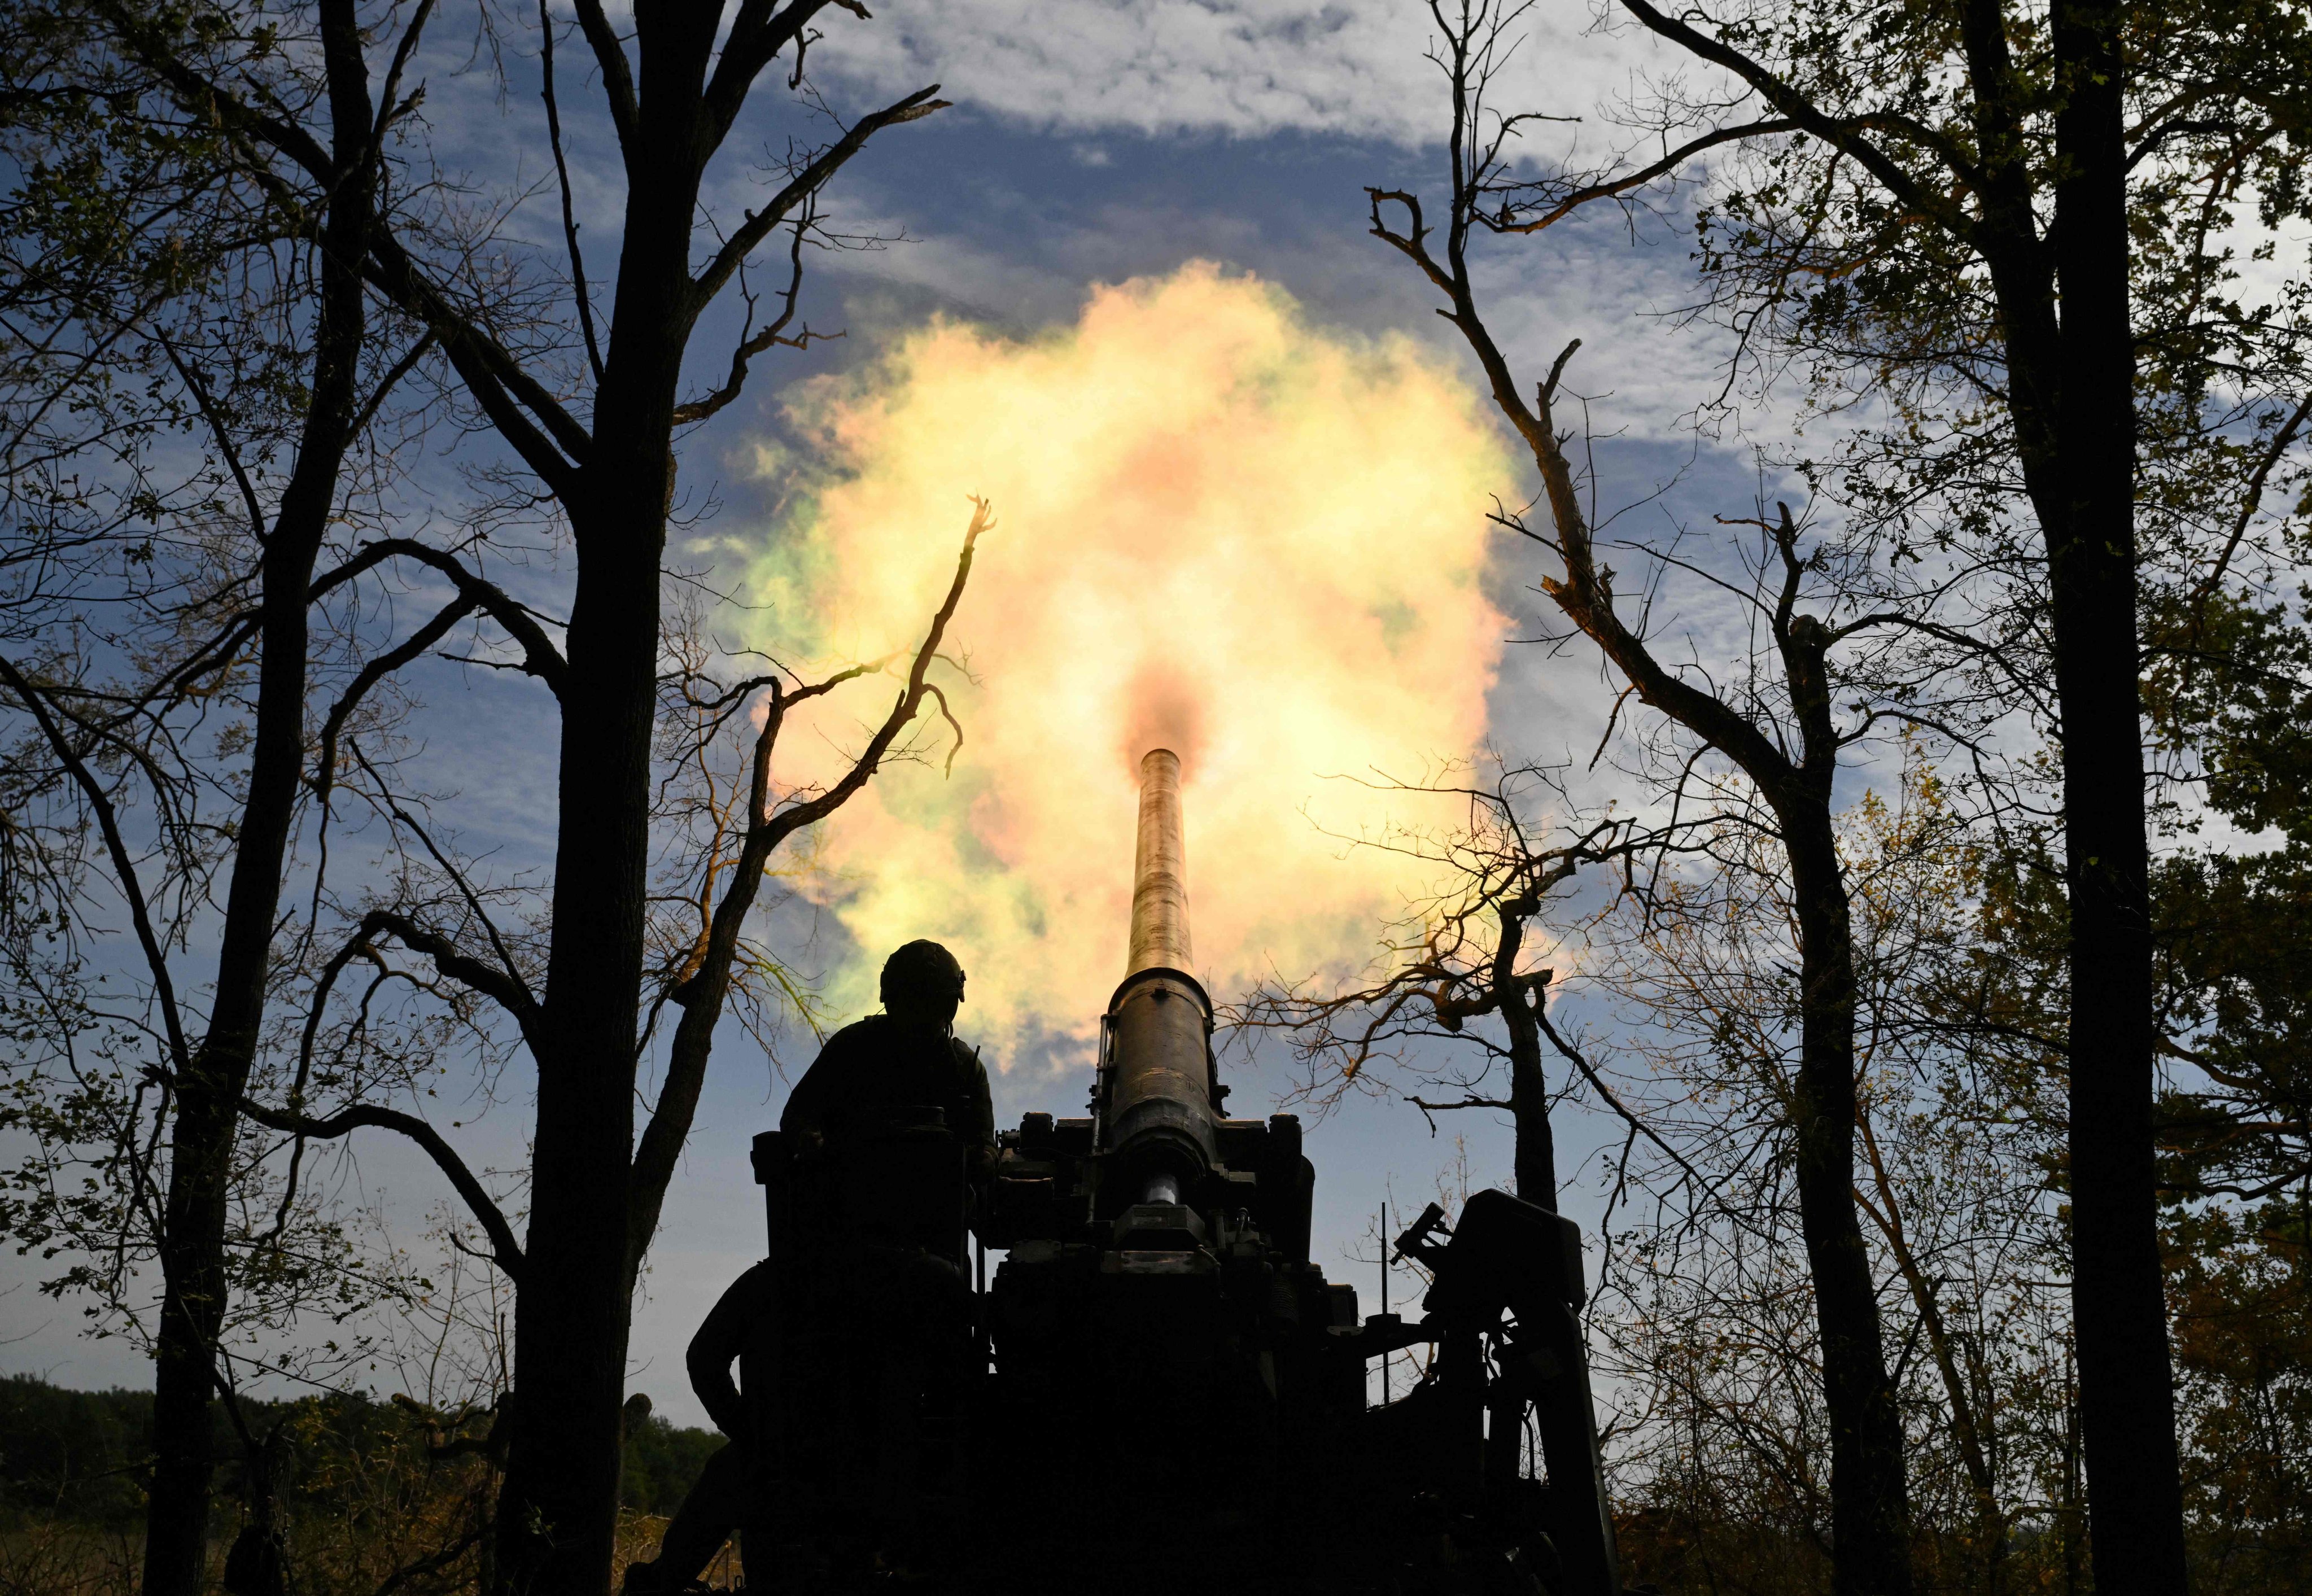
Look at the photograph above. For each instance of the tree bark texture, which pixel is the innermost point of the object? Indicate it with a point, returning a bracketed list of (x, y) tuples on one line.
[(186, 1355)]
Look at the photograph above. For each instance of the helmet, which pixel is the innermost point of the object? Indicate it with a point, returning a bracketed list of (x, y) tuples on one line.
[(921, 973)]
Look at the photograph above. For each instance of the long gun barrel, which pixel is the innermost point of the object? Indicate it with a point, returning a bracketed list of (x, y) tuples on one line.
[(1157, 1087), (1159, 870)]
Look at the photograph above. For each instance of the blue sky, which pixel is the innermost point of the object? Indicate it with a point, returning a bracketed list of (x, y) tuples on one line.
[(1092, 143)]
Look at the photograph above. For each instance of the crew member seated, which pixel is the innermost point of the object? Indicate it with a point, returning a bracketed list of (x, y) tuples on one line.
[(876, 1317), (908, 1056)]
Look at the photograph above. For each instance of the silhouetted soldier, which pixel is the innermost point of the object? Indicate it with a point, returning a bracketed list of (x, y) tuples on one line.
[(718, 1502), (870, 1073), (875, 1307)]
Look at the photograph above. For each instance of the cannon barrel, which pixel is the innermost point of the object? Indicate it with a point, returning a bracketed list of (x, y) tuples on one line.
[(1159, 870), (1156, 1066)]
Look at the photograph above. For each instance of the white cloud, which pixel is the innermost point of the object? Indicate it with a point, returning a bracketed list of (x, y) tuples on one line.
[(1240, 67)]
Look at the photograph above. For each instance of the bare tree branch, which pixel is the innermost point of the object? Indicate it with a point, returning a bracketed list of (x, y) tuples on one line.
[(580, 290), (701, 994), (539, 657), (505, 1251), (123, 866)]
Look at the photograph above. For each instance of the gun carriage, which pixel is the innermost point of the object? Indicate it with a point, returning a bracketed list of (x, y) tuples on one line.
[(1167, 1393)]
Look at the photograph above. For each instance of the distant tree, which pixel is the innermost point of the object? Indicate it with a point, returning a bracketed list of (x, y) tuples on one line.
[(2233, 929), (1958, 1181), (2241, 1290)]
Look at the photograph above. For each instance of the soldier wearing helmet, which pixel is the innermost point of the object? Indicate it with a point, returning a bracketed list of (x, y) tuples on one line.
[(872, 1320), (907, 1057)]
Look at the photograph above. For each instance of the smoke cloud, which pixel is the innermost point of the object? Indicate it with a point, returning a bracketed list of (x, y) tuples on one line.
[(1164, 708), (1220, 530)]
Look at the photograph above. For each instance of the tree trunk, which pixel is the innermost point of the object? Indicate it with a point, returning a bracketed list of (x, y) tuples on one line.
[(186, 1369), (1535, 1165), (2071, 390), (1869, 1490), (1870, 1498), (558, 1507), (2127, 1409)]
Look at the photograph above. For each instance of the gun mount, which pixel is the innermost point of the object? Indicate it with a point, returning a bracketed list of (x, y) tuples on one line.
[(1171, 1395)]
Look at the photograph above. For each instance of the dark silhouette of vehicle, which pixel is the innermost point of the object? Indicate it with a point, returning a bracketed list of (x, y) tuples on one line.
[(1165, 1392)]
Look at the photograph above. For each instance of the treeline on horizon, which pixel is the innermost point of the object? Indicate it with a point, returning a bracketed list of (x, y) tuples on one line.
[(82, 1455), (370, 1487), (373, 1487)]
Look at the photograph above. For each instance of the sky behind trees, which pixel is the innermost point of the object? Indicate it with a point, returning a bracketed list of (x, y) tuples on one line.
[(1088, 146)]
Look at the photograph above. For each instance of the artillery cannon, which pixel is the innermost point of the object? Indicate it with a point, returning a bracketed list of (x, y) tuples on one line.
[(1170, 1394)]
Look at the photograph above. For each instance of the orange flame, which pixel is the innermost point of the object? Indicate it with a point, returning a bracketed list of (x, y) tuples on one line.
[(1220, 530)]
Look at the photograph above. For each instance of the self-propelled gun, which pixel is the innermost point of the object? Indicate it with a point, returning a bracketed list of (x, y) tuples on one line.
[(1168, 1393)]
